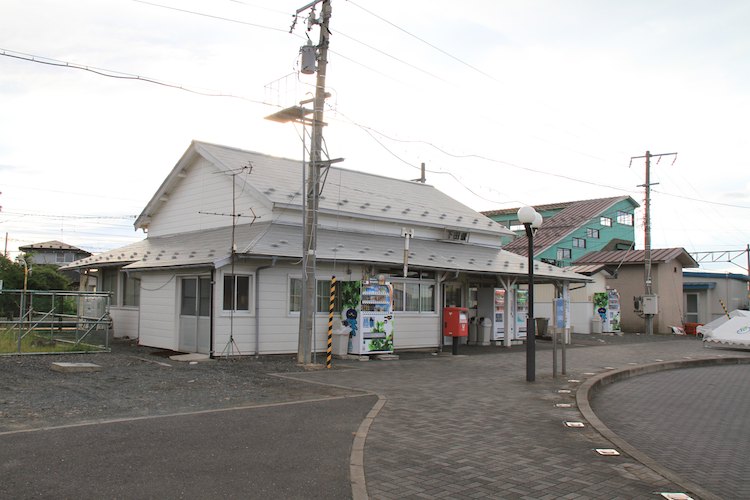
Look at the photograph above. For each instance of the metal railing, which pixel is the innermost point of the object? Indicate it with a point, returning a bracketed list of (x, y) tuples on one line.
[(54, 321)]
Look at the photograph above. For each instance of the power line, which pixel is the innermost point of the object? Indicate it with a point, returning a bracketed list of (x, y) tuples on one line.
[(455, 58), (211, 16), (117, 74)]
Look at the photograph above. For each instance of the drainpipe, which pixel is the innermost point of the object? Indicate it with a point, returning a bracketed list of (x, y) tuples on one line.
[(210, 315), (440, 295), (257, 302)]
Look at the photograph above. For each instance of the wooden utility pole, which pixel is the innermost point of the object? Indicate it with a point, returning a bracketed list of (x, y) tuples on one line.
[(308, 306), (647, 237)]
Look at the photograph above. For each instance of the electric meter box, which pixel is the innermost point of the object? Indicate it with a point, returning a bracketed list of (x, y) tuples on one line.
[(455, 322), (650, 304)]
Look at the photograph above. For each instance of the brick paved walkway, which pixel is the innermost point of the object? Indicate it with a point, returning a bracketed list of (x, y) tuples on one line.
[(469, 426), (693, 421)]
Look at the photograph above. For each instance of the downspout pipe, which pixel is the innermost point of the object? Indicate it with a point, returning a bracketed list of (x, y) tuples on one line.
[(257, 302), (210, 312)]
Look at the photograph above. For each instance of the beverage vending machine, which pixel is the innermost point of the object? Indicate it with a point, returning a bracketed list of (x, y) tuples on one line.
[(491, 306), (521, 313), (371, 319)]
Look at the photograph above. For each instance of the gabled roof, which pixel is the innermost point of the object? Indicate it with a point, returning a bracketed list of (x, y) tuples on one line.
[(52, 245), (553, 206), (278, 182), (573, 216), (627, 257), (269, 240)]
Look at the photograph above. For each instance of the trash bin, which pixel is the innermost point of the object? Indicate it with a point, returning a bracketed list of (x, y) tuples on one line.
[(341, 340), (472, 331), (485, 331), (596, 325), (541, 326)]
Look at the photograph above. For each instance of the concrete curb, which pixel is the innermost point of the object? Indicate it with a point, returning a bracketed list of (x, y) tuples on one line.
[(357, 460), (590, 386)]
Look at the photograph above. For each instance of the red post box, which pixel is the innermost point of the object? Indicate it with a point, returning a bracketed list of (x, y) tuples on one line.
[(455, 322)]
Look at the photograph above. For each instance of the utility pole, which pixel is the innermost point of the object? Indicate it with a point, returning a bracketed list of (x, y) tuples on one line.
[(647, 239), (308, 306)]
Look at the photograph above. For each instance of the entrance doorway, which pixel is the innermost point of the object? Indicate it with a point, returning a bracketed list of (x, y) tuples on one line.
[(195, 312), (691, 308)]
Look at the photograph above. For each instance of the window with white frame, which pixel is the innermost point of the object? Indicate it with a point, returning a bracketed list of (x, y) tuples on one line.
[(414, 296), (237, 292), (322, 296), (592, 233), (605, 221), (624, 218), (563, 254), (131, 291), (108, 283), (579, 243)]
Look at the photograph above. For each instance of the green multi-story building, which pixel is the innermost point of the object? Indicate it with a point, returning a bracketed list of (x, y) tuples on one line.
[(572, 229)]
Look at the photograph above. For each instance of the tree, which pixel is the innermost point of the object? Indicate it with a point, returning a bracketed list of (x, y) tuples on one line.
[(40, 277)]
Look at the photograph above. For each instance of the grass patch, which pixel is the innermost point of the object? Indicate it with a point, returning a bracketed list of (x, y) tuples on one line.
[(39, 343)]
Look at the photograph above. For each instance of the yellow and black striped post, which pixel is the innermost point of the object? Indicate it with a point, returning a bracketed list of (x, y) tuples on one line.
[(725, 308), (329, 351)]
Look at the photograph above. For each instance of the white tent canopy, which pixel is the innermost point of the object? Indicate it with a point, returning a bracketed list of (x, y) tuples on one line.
[(734, 330)]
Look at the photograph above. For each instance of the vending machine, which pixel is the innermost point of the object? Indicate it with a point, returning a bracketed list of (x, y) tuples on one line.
[(521, 309), (371, 319), (491, 306)]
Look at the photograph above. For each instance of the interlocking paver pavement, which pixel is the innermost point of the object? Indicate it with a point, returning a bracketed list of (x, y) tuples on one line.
[(694, 421), (472, 427)]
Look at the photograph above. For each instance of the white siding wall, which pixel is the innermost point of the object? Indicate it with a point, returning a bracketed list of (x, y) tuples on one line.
[(278, 327), (391, 228), (416, 330), (241, 324), (202, 190), (158, 318), (124, 322)]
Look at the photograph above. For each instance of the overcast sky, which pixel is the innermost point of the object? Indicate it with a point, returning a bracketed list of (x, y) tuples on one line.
[(507, 103)]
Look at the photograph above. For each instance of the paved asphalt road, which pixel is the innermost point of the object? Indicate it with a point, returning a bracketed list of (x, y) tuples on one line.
[(298, 450), (464, 426)]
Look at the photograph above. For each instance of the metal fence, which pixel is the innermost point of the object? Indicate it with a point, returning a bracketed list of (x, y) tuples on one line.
[(35, 321)]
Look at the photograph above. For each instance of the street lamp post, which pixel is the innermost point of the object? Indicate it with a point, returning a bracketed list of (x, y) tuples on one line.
[(531, 220)]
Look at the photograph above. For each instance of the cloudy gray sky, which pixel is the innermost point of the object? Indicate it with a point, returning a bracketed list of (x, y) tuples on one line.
[(507, 102)]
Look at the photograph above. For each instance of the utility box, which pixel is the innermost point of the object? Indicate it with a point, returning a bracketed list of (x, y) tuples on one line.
[(650, 304), (455, 322)]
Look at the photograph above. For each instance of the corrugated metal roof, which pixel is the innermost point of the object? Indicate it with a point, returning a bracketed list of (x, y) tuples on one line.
[(51, 245), (346, 192), (638, 257), (209, 248), (587, 270), (574, 216)]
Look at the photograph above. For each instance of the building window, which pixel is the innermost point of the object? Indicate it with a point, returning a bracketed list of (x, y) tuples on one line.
[(624, 218), (414, 296), (515, 225), (579, 243), (322, 296), (563, 254), (236, 292), (109, 284), (592, 233), (605, 221), (131, 291), (295, 295)]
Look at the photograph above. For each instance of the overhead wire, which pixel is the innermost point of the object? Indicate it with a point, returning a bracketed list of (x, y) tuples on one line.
[(119, 75)]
